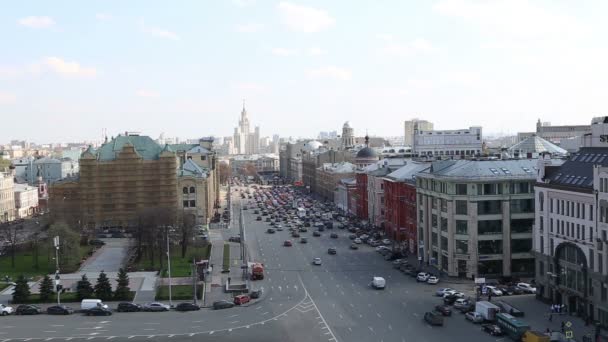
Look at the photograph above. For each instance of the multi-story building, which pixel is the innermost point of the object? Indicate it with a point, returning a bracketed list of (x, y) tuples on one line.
[(556, 134), (475, 217), (400, 204), (26, 200), (290, 160), (245, 141), (7, 196), (414, 125), (534, 146), (329, 175), (454, 144), (50, 169), (313, 159), (348, 136), (343, 193), (375, 188), (263, 163)]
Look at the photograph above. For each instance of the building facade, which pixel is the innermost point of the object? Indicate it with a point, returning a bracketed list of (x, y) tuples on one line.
[(7, 196), (244, 140), (348, 136), (343, 192), (362, 211), (453, 144), (329, 175), (26, 200), (410, 126), (556, 134), (475, 218)]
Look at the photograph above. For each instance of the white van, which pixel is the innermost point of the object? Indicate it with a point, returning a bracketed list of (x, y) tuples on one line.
[(92, 303), (378, 283)]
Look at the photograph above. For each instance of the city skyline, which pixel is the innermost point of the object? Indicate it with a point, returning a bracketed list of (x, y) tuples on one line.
[(122, 67)]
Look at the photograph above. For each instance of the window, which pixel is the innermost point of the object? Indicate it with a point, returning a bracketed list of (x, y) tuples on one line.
[(461, 207), (203, 157), (489, 207), (551, 205), (192, 190), (520, 188), (551, 225), (591, 261), (489, 227), (185, 204), (489, 246), (521, 245), (541, 225), (583, 211), (542, 245), (433, 203), (434, 221), (462, 246), (489, 189), (461, 189), (444, 205), (192, 204), (522, 225), (591, 212), (444, 224), (185, 190), (444, 243), (541, 268), (541, 201), (578, 210), (461, 227), (522, 205)]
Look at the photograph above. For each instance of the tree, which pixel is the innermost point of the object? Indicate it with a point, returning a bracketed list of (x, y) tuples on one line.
[(123, 292), (225, 172), (69, 243), (84, 289), (46, 288), (103, 289), (187, 229), (10, 234), (21, 293)]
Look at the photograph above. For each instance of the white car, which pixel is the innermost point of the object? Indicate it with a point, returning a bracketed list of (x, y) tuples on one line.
[(453, 293), (357, 241), (386, 241), (316, 261), (5, 310), (493, 290), (442, 291), (381, 248), (526, 287), (432, 280), (422, 276)]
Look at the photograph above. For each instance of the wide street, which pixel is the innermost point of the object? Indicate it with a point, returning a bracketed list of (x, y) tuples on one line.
[(301, 302)]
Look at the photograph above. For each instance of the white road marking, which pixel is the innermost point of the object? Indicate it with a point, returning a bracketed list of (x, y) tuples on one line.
[(211, 332), (233, 322)]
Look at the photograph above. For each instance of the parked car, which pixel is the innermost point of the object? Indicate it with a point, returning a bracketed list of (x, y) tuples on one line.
[(331, 250), (333, 235), (433, 318), (222, 304), (303, 240), (287, 243), (527, 288), (493, 290), (128, 307), (270, 231), (357, 241), (28, 309), (442, 291), (316, 233), (432, 280), (59, 310), (187, 307), (155, 306), (423, 276), (354, 246), (241, 299), (444, 310), (492, 329), (474, 317), (96, 242), (449, 299), (97, 311), (5, 310), (386, 242)]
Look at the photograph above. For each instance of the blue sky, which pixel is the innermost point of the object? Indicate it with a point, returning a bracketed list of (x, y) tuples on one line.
[(70, 68)]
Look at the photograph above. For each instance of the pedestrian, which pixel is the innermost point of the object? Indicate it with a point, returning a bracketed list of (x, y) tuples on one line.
[(558, 308), (490, 297), (562, 325), (563, 308), (550, 317)]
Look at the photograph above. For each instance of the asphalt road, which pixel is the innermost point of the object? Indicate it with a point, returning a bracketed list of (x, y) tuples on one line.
[(301, 302)]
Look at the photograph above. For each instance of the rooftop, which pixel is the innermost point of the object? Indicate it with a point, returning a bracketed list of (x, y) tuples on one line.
[(536, 144), (145, 146), (408, 172), (483, 169), (577, 172)]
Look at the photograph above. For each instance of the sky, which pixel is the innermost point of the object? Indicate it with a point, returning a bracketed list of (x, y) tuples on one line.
[(69, 69)]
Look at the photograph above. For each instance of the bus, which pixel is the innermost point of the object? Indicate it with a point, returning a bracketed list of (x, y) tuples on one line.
[(512, 326), (301, 212)]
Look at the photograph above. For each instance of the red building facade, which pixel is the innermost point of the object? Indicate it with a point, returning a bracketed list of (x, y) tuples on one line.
[(361, 196)]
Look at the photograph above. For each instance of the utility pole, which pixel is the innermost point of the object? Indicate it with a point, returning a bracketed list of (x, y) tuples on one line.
[(57, 279), (169, 266), (194, 278)]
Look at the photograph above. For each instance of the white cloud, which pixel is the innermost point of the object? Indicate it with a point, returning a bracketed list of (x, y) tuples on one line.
[(103, 16), (36, 22), (62, 67), (7, 98), (315, 51), (304, 19), (243, 3), (146, 93), (248, 28), (284, 52), (158, 32), (393, 47), (330, 72)]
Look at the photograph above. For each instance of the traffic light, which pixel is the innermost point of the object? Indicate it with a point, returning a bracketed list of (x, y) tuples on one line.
[(59, 287)]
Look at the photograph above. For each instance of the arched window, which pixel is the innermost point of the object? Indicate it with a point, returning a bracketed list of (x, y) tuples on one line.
[(541, 201), (185, 190), (192, 190)]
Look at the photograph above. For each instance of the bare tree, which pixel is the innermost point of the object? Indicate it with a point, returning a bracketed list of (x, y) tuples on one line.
[(9, 232), (225, 173), (151, 231), (187, 230)]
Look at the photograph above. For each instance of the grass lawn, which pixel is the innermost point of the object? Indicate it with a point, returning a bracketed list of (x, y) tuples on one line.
[(25, 263), (178, 292), (180, 267)]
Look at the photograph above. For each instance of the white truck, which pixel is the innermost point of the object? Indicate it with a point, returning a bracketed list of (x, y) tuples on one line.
[(487, 310)]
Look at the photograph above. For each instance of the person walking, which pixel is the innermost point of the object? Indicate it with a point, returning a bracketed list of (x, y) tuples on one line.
[(562, 326), (551, 317)]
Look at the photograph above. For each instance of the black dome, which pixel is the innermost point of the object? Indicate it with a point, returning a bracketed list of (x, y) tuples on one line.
[(367, 152)]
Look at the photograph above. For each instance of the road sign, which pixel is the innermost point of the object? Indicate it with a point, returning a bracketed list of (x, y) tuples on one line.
[(569, 334), (568, 324), (480, 280)]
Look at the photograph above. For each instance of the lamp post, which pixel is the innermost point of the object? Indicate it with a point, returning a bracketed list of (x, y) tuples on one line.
[(169, 267), (57, 279)]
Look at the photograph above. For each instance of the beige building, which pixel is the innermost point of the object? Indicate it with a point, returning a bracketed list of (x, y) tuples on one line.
[(329, 175), (7, 196), (131, 173), (26, 200), (413, 125)]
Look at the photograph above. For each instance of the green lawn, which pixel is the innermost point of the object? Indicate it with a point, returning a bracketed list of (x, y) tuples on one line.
[(180, 267), (178, 292), (25, 262)]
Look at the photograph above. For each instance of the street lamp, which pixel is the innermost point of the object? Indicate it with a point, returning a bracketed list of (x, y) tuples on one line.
[(169, 266), (57, 279)]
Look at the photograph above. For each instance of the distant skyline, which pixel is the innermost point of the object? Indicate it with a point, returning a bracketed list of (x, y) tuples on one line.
[(70, 69)]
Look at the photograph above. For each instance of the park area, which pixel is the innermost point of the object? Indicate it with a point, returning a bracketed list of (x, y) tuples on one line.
[(180, 267)]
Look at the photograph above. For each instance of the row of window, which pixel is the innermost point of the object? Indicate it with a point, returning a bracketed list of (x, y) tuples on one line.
[(484, 247), (568, 229), (482, 189), (568, 208)]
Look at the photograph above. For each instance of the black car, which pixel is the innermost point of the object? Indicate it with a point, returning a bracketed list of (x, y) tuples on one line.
[(97, 311), (354, 246), (96, 242), (303, 240), (255, 294), (449, 300), (331, 250), (492, 329), (187, 307), (321, 229), (222, 304), (259, 218), (270, 231), (333, 236), (444, 310), (128, 307), (28, 309), (59, 310), (433, 318), (315, 233)]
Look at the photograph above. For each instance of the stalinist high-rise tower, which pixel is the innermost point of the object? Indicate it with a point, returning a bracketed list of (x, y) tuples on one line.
[(245, 141)]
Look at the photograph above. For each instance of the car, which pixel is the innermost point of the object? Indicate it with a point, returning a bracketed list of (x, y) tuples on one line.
[(331, 250), (354, 246), (234, 239), (474, 317), (241, 299), (432, 280), (321, 229), (333, 235), (187, 307), (96, 242), (492, 329), (386, 242), (5, 310), (128, 307), (442, 291), (527, 288), (316, 261), (28, 309), (493, 290), (255, 294), (287, 243), (461, 302), (454, 293), (155, 307), (449, 299), (357, 241), (270, 231), (259, 218), (380, 249), (222, 304), (352, 236), (97, 311), (256, 211), (303, 240), (433, 318), (316, 233), (444, 310), (59, 310), (423, 276), (512, 290)]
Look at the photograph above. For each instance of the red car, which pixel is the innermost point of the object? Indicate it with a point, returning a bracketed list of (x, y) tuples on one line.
[(241, 299), (287, 243)]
